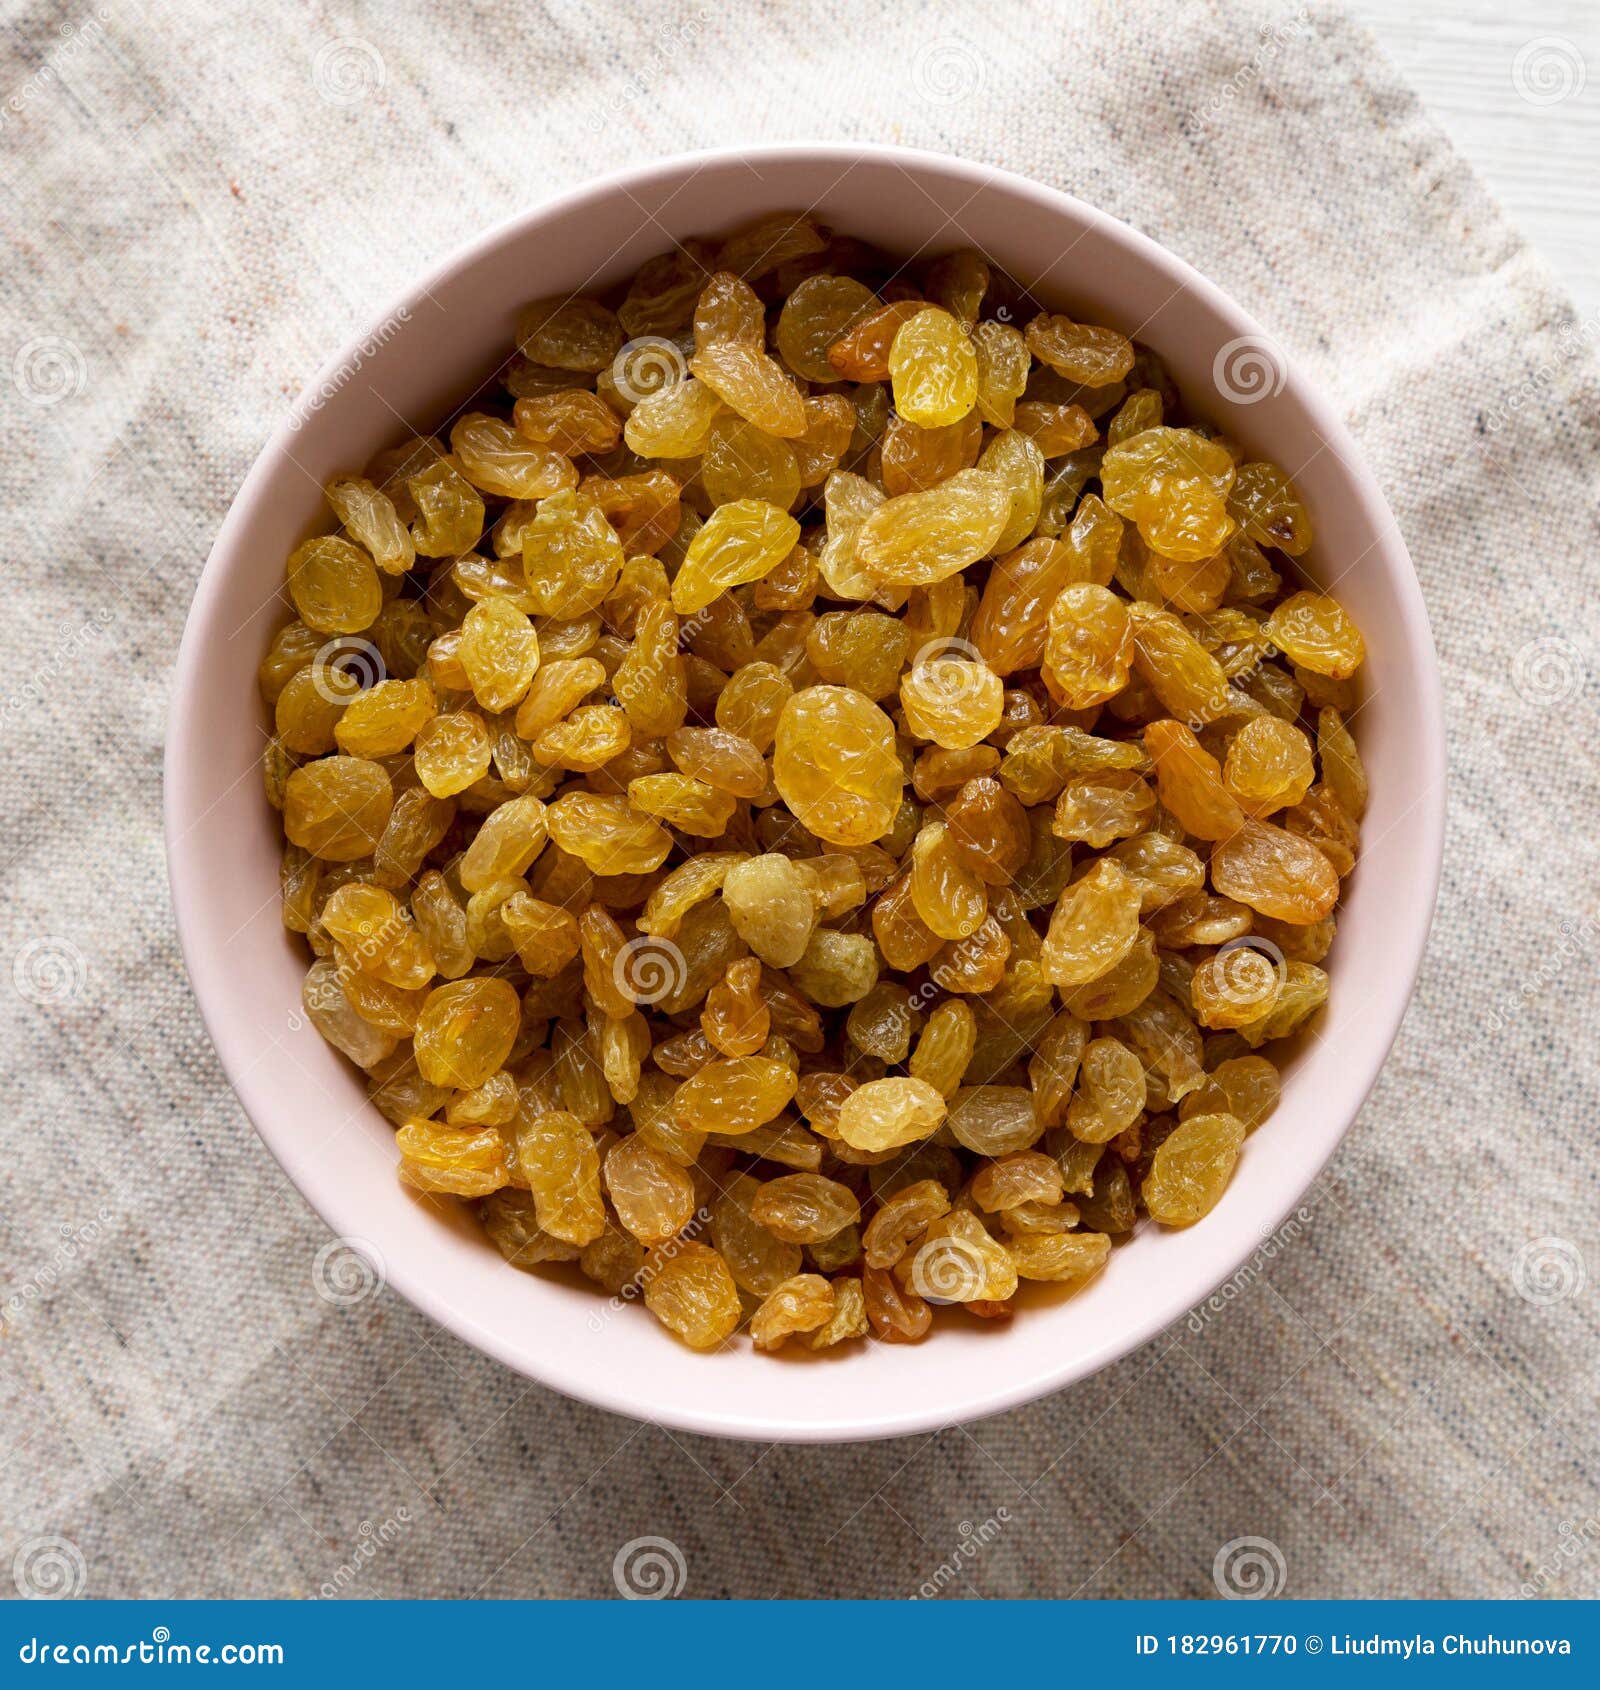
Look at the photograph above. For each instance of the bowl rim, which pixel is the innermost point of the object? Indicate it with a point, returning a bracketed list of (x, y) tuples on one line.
[(184, 752)]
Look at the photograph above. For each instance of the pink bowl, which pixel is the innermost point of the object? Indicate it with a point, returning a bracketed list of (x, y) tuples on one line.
[(426, 354)]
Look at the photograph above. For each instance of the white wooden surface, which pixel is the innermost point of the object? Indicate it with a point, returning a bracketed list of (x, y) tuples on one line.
[(1516, 86)]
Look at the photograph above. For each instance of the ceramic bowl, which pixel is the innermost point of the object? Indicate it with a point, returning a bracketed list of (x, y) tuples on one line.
[(426, 354)]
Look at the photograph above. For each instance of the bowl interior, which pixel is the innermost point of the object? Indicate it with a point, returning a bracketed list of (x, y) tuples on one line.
[(415, 365)]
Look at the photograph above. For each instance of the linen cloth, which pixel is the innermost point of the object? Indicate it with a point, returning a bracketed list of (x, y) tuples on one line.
[(201, 200)]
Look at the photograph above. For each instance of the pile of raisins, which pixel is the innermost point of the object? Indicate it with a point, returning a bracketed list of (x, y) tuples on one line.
[(810, 802)]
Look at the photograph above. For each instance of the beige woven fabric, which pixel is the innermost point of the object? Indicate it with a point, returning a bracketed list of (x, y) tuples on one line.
[(201, 202)]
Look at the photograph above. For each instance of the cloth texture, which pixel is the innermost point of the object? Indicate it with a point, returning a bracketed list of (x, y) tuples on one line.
[(202, 201)]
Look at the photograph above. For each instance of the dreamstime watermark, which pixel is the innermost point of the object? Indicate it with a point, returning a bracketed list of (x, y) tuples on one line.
[(647, 969), (76, 1241), (331, 386), (72, 639), (48, 971), (347, 71), (1550, 1270), (1249, 368), (49, 1569), (1548, 70), (1249, 974), (1249, 1569), (667, 46), (649, 1569), (371, 1541), (1572, 1540), (156, 1650), (1572, 341), (660, 1257), (48, 369), (948, 70), (1266, 1252), (1226, 701), (971, 1542), (73, 39), (647, 366), (1573, 945), (1273, 40), (347, 1271), (959, 957), (357, 662), (379, 940), (950, 1270), (1548, 671)]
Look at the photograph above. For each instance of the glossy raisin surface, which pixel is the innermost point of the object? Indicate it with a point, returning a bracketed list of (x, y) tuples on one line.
[(820, 801)]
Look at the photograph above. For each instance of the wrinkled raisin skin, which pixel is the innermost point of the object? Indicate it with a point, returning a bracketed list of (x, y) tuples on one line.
[(820, 800)]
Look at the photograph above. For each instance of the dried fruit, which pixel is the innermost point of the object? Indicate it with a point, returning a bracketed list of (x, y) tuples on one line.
[(835, 765), (758, 1259), (1276, 872), (934, 370), (1074, 1256), (734, 1096), (435, 1157), (688, 1288), (384, 719), (334, 585), (804, 1208), (1081, 352), (945, 1046), (800, 1304), (1173, 483), (496, 458), (921, 538), (654, 1198), (900, 1217), (1269, 765), (466, 1031), (995, 1120), (744, 378), (500, 652), (1003, 360), (569, 422), (960, 1262), (1088, 646), (1093, 926), (945, 891), (771, 836), (739, 542), (571, 556), (885, 1114), (370, 519), (452, 751), (897, 1316), (557, 1156), (836, 969), (819, 311), (570, 333), (862, 352), (1264, 503), (1191, 1168), (1315, 633), (1111, 1092), (955, 704), (337, 807), (1190, 782), (608, 833), (674, 421), (771, 904)]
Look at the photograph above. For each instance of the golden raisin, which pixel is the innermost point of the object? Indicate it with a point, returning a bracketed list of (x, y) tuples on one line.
[(770, 835)]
